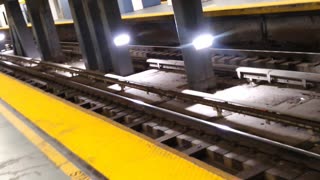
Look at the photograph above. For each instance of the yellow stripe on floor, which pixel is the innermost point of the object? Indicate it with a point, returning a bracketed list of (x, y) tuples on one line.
[(58, 159), (112, 149)]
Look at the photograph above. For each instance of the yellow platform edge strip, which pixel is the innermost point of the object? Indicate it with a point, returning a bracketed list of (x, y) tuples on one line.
[(112, 149), (52, 154), (215, 11)]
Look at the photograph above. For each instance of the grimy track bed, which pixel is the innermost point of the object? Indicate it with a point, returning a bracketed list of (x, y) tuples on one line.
[(242, 154), (226, 59)]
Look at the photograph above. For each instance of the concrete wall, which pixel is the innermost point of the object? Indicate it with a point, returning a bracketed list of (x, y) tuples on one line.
[(290, 31)]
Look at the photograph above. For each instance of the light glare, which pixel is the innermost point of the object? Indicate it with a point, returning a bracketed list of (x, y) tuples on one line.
[(138, 102), (122, 40), (2, 37), (203, 41)]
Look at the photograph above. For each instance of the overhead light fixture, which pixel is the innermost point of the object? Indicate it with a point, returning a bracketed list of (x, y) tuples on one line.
[(203, 41), (121, 40), (2, 37)]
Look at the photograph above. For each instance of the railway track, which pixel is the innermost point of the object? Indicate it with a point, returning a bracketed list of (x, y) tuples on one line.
[(242, 154), (228, 59), (219, 105)]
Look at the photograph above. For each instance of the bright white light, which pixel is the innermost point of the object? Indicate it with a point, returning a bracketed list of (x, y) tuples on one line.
[(203, 41), (122, 40), (2, 37)]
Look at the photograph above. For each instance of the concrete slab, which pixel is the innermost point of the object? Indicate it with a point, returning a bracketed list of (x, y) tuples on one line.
[(162, 79), (271, 130), (260, 127), (297, 102), (300, 103)]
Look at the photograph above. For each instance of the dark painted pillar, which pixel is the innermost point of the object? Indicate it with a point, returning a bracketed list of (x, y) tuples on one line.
[(83, 34), (44, 30), (98, 23), (113, 27), (17, 48), (21, 34), (97, 35), (190, 23)]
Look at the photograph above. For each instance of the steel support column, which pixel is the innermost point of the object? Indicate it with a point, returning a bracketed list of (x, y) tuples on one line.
[(83, 34), (97, 23), (17, 48), (97, 35), (113, 27), (190, 23), (44, 30), (21, 34)]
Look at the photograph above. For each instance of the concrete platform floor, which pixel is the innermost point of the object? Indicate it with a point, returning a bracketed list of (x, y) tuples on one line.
[(22, 160)]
